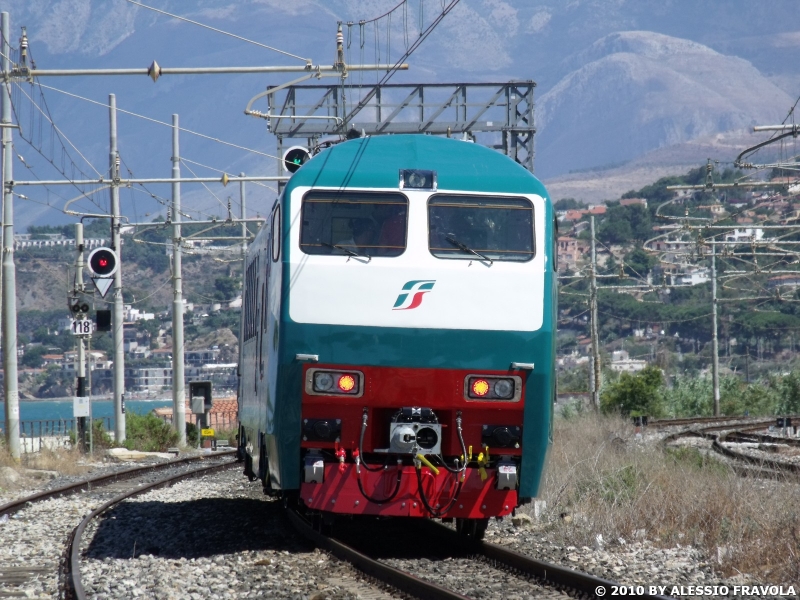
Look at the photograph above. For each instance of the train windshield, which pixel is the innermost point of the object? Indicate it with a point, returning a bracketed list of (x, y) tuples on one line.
[(490, 228), (356, 224)]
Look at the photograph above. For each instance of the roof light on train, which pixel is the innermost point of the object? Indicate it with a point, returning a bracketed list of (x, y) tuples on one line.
[(417, 179), (480, 387), (346, 383)]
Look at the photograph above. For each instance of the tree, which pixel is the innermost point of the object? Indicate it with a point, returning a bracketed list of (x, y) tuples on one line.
[(33, 357), (638, 262), (635, 395), (567, 204), (226, 288)]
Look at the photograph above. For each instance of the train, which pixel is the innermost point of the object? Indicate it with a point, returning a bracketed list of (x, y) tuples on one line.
[(398, 334)]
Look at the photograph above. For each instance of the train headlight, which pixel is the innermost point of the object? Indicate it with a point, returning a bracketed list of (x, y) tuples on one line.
[(493, 387), (346, 383), (503, 388), (417, 179), (333, 382), (480, 387), (323, 381)]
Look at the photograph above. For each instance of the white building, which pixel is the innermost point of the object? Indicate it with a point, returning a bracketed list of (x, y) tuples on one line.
[(744, 235), (623, 363)]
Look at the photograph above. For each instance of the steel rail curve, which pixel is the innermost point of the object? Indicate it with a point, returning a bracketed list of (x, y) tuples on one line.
[(71, 574), (555, 575), (405, 582), (551, 574), (101, 480), (765, 466)]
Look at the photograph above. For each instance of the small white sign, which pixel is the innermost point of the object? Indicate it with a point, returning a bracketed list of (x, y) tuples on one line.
[(80, 406), (82, 327), (103, 284)]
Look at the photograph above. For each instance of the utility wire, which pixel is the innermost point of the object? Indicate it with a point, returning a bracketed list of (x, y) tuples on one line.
[(422, 36), (58, 130), (165, 124), (238, 37), (222, 204)]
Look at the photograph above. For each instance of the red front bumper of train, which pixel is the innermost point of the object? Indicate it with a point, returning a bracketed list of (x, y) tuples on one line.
[(340, 493)]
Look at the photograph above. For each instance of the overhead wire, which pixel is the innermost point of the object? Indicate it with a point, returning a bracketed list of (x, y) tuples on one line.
[(56, 133), (238, 37), (164, 123)]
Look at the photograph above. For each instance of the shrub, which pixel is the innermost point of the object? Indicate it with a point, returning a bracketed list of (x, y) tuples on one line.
[(192, 435), (100, 437), (148, 433), (635, 394)]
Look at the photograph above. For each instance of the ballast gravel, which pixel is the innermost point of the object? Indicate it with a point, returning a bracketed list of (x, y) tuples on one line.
[(219, 537), (216, 537)]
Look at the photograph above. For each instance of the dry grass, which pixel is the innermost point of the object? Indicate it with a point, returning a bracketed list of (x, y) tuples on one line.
[(601, 480), (66, 461)]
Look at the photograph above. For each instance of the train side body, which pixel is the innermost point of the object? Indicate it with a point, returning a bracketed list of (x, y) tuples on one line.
[(413, 328)]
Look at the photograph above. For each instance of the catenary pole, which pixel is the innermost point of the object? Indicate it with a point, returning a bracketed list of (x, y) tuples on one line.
[(178, 380), (9, 287), (594, 332), (80, 384), (714, 336), (118, 328)]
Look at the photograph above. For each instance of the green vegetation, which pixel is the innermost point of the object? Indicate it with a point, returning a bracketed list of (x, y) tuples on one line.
[(148, 433), (567, 204), (646, 393), (151, 255), (635, 394)]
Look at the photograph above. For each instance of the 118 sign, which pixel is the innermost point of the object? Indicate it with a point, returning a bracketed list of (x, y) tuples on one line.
[(82, 327)]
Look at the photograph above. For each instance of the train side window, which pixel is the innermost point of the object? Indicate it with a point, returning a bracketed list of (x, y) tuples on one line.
[(469, 227), (250, 300), (343, 222), (555, 243), (276, 233)]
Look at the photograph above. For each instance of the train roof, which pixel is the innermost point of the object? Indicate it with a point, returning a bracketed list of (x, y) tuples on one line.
[(374, 162)]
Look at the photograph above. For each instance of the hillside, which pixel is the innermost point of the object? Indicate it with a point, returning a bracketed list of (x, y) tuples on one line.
[(639, 91), (615, 80), (42, 282)]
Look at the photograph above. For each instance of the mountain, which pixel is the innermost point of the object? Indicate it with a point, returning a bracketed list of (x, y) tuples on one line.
[(617, 80), (638, 91)]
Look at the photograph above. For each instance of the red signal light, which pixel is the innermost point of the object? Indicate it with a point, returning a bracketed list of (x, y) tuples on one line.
[(346, 383), (480, 387), (103, 262)]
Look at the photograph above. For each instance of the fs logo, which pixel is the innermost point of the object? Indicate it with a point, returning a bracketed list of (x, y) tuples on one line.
[(412, 293)]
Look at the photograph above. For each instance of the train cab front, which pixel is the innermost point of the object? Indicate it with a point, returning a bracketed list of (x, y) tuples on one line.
[(444, 443)]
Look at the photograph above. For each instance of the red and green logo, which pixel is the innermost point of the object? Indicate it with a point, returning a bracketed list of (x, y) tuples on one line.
[(412, 293)]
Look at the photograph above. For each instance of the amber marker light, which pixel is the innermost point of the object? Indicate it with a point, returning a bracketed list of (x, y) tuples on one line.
[(347, 382), (480, 387)]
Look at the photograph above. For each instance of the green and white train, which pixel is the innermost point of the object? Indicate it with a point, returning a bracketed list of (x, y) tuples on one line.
[(399, 333)]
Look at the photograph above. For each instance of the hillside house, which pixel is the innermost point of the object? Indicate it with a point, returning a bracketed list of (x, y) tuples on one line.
[(633, 202), (568, 253)]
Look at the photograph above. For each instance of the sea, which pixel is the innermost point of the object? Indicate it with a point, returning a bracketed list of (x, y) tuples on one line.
[(61, 410)]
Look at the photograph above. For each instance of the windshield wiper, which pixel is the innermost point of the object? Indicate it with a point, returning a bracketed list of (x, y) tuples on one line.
[(461, 246), (350, 252)]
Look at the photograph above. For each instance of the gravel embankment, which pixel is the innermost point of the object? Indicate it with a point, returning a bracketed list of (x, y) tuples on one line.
[(219, 537)]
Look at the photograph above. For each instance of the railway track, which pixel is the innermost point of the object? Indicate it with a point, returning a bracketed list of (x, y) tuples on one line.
[(721, 434), (51, 572), (400, 554)]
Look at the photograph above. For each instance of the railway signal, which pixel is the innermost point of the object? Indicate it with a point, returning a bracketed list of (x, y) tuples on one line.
[(103, 264), (295, 157)]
